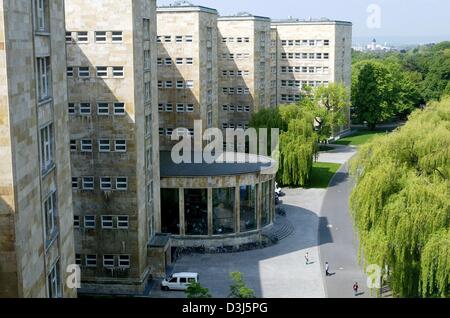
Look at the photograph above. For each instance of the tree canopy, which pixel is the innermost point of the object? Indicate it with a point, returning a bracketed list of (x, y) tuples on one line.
[(401, 204)]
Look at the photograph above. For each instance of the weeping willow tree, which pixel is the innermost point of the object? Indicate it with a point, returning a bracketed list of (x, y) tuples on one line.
[(401, 203)]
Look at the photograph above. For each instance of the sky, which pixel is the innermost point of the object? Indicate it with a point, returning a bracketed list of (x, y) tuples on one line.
[(414, 19)]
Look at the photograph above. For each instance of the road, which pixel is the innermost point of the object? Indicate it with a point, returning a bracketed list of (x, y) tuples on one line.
[(339, 246)]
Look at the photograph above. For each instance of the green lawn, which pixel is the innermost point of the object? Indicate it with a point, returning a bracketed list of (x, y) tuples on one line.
[(359, 138), (322, 173)]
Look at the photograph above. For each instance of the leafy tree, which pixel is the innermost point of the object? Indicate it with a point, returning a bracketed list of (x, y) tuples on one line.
[(239, 289), (401, 203), (195, 290)]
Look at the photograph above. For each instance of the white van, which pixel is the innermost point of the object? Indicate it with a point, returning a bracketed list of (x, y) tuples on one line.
[(179, 281)]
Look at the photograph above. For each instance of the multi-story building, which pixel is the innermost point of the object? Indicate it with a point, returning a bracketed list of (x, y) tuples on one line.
[(36, 234), (187, 69), (309, 53), (244, 68), (112, 105)]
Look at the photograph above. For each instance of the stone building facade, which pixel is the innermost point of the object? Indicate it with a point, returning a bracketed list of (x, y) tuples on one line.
[(187, 70), (112, 103), (36, 233), (244, 68)]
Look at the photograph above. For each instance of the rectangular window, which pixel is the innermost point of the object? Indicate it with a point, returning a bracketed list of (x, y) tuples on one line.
[(89, 221), (147, 91), (124, 261), (107, 222), (169, 108), (122, 183), (118, 71), (247, 108), (146, 27), (326, 42), (147, 59), (119, 109), (168, 84), (189, 84), (47, 147), (180, 84), (83, 72), (41, 15), (189, 61), (188, 38), (108, 260), (148, 125), (69, 71), (91, 260), (69, 38), (102, 109), (179, 60), (85, 108), (74, 183), (100, 36), (190, 108), (73, 146), (76, 221), (50, 216), (117, 36), (43, 77), (180, 108), (54, 282), (167, 61), (82, 37), (88, 183), (105, 183), (167, 38), (78, 259), (122, 222), (178, 39), (120, 145), (169, 132), (159, 61), (102, 71), (104, 145), (161, 131)]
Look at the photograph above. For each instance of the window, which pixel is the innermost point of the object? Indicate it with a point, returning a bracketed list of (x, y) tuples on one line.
[(149, 159), (160, 107), (148, 125), (169, 132), (158, 39), (147, 91), (180, 108), (180, 85), (124, 261), (159, 61), (91, 260), (247, 108), (161, 131), (168, 84), (326, 42), (122, 183), (120, 145), (100, 36), (169, 108), (225, 108), (178, 39), (85, 108), (105, 183), (54, 282), (147, 59), (69, 71), (179, 60), (117, 36), (73, 145), (47, 147), (118, 71), (41, 15), (146, 27), (83, 72), (76, 221), (122, 222), (240, 108), (102, 109), (326, 56), (50, 216), (107, 222), (74, 183), (88, 183), (167, 61), (188, 38), (43, 76), (69, 38), (89, 221), (190, 108), (167, 38), (78, 259), (108, 260), (189, 84), (119, 109), (189, 61), (102, 71), (82, 37), (104, 145)]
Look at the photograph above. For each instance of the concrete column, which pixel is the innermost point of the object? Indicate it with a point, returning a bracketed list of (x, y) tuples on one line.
[(237, 206), (210, 212), (182, 222)]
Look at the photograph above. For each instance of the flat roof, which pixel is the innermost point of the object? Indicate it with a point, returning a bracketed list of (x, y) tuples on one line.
[(242, 164), (310, 21), (243, 16), (182, 8)]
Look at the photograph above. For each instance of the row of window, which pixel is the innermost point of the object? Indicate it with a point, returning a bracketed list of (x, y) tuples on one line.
[(106, 183), (177, 61), (305, 42), (176, 38), (237, 40), (178, 132), (306, 56), (180, 84), (237, 108), (235, 73), (235, 90), (100, 71), (235, 125), (82, 37), (103, 108), (305, 69), (290, 98), (180, 107), (108, 222), (109, 261), (104, 145), (231, 56), (296, 83)]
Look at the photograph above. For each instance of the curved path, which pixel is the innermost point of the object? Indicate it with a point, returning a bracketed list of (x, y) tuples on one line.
[(340, 246)]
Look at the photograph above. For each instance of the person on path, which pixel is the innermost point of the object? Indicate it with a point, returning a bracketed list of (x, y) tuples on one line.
[(307, 258), (327, 268), (355, 288)]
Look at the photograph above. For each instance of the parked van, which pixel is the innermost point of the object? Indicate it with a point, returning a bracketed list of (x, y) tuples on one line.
[(179, 281)]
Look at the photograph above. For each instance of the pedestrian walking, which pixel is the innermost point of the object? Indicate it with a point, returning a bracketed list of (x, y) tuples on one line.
[(327, 268), (307, 258), (355, 288)]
